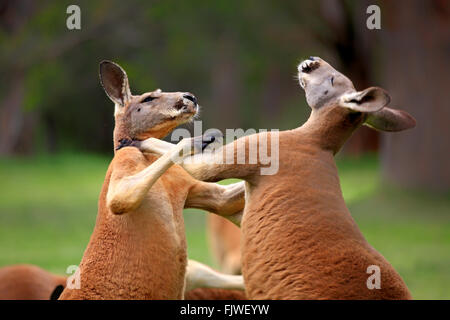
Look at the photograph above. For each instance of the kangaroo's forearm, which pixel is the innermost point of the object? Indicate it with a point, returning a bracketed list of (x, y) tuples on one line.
[(199, 275), (227, 201), (243, 158), (127, 193), (222, 200), (155, 145), (232, 200), (234, 160)]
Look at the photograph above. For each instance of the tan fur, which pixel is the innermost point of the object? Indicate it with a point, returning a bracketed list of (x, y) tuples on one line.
[(299, 240), (214, 294), (138, 246), (225, 243), (199, 275), (28, 282)]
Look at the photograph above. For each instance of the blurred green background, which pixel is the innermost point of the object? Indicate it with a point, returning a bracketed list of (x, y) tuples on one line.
[(239, 58)]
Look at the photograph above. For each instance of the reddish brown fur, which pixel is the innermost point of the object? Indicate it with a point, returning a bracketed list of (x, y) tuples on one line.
[(299, 240), (138, 255), (308, 246), (138, 246), (28, 282)]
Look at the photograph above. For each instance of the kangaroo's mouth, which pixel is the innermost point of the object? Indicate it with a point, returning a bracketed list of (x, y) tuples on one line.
[(184, 107), (189, 110)]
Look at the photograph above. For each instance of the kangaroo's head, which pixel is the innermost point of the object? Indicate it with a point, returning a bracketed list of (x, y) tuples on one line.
[(151, 114), (340, 109)]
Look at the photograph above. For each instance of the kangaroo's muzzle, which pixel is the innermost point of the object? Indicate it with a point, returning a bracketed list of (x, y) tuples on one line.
[(188, 104), (191, 97)]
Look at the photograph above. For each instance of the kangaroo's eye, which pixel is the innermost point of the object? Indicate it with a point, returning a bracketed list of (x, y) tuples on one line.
[(148, 99), (332, 80)]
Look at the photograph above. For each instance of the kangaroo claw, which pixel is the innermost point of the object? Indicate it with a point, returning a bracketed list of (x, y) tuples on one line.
[(207, 141)]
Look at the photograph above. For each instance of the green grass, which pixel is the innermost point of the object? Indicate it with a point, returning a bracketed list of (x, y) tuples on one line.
[(48, 207), (410, 228)]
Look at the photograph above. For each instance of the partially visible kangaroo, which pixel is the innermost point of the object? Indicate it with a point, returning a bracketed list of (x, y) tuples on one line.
[(224, 243), (28, 282), (138, 247), (299, 240)]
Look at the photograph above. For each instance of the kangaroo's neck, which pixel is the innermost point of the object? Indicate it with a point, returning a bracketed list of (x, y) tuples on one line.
[(124, 132), (329, 128), (121, 131)]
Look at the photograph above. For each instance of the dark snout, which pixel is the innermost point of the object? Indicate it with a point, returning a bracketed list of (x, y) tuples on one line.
[(188, 103)]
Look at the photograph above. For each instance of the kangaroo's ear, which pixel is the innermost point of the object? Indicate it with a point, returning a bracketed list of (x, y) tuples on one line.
[(370, 100), (388, 119), (115, 82)]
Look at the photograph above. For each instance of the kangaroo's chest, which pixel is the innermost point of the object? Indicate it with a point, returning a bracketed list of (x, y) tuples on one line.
[(131, 254)]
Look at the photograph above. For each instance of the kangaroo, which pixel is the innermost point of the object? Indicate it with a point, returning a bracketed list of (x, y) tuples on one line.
[(28, 282), (299, 240), (225, 243), (138, 246)]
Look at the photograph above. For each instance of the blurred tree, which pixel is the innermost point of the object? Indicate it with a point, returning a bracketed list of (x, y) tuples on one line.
[(416, 47), (35, 45), (13, 16), (354, 44), (238, 57)]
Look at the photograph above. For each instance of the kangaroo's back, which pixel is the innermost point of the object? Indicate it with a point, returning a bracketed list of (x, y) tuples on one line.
[(299, 240), (28, 282)]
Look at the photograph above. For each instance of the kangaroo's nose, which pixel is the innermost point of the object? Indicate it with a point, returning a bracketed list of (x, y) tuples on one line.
[(190, 97)]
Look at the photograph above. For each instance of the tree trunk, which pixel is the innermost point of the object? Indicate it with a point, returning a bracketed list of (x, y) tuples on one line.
[(416, 37), (13, 16), (11, 113), (353, 44), (225, 85)]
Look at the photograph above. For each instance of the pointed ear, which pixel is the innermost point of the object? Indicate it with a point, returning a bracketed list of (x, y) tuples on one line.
[(388, 119), (370, 100), (115, 82)]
